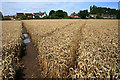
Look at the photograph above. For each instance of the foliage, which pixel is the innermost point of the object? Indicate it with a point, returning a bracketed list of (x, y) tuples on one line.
[(24, 17), (51, 13), (118, 14), (59, 14), (99, 17), (37, 17), (6, 19), (83, 14), (99, 10), (1, 16)]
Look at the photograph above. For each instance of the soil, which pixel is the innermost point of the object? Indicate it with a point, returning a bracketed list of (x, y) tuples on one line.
[(30, 60)]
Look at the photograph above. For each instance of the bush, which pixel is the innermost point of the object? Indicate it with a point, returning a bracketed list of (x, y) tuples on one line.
[(37, 17), (67, 17), (114, 18), (99, 17), (30, 18), (17, 19), (6, 19), (46, 17), (92, 18)]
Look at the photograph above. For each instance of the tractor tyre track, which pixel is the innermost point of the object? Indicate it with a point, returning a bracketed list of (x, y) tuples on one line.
[(53, 31), (74, 48)]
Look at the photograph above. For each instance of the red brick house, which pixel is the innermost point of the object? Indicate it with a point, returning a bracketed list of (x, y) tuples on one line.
[(74, 16), (29, 15), (107, 16), (11, 17)]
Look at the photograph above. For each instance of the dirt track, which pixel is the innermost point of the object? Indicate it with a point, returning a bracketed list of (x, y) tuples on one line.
[(30, 61), (63, 50)]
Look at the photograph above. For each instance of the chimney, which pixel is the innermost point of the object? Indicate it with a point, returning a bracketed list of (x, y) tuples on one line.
[(33, 14), (39, 12)]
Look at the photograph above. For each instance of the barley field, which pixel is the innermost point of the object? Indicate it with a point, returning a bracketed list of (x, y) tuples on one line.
[(11, 47), (67, 48), (76, 48)]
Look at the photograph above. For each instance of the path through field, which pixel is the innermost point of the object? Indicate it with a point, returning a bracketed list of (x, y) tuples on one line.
[(60, 49), (30, 61), (75, 49)]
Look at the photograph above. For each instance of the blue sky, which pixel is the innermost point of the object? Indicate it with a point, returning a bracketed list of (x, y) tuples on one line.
[(11, 8)]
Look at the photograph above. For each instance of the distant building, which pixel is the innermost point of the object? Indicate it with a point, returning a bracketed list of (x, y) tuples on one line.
[(29, 15), (107, 16), (93, 15), (73, 15), (19, 15), (40, 14), (35, 14), (11, 17)]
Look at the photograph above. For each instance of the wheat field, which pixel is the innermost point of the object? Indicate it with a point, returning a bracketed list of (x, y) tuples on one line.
[(67, 48), (76, 48), (11, 47)]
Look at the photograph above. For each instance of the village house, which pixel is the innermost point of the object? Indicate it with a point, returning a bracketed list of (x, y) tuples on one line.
[(35, 14), (29, 15), (11, 17), (93, 15), (40, 14), (107, 16), (74, 16), (19, 15)]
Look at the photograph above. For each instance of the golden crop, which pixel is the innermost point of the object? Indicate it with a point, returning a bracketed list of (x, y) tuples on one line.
[(98, 50), (67, 48), (76, 48), (53, 39), (11, 46)]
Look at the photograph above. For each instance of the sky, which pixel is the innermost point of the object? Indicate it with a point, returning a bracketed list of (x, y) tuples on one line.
[(11, 8), (60, 0)]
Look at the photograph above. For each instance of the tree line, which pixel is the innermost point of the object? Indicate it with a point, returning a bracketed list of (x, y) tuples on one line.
[(99, 10), (60, 14)]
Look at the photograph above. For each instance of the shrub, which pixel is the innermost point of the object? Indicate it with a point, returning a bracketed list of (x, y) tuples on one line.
[(6, 19), (99, 17)]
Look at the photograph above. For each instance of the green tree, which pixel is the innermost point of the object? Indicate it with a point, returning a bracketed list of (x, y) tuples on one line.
[(24, 17), (118, 14), (1, 16), (59, 14), (51, 13), (99, 10), (83, 14)]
